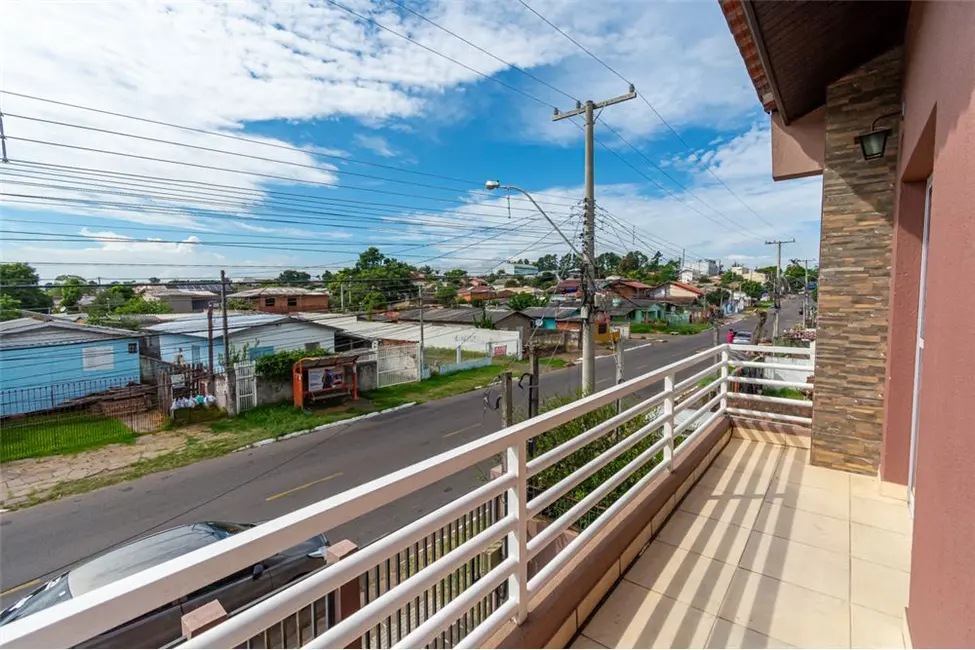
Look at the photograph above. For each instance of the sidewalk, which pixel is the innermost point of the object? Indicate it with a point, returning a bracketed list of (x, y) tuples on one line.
[(22, 481)]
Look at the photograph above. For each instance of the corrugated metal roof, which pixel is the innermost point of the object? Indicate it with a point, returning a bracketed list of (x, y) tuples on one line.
[(36, 327), (459, 315), (196, 324)]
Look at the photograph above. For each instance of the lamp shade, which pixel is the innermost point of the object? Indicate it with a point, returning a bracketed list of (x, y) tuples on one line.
[(873, 144)]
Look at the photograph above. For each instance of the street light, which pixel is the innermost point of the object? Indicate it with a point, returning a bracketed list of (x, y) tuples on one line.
[(496, 185)]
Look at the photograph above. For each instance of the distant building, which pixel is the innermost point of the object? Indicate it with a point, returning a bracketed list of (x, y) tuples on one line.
[(627, 288), (754, 276), (516, 269), (700, 268), (284, 300), (502, 319), (182, 300), (678, 292)]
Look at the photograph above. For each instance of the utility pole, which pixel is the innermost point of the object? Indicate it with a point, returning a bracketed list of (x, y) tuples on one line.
[(210, 348), (805, 290), (419, 293), (778, 282), (507, 400), (589, 239)]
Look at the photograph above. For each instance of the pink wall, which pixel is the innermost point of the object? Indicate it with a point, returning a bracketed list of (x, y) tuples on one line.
[(940, 82), (799, 148)]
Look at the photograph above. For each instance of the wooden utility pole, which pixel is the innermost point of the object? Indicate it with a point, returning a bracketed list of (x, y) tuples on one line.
[(228, 368), (507, 400), (589, 238), (777, 297), (209, 349)]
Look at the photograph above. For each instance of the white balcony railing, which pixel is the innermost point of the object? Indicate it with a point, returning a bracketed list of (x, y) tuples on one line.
[(494, 516)]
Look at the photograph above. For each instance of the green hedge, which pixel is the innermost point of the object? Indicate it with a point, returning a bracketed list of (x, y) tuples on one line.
[(279, 364)]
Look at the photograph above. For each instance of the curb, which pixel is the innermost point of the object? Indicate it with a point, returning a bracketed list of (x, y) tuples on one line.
[(323, 427)]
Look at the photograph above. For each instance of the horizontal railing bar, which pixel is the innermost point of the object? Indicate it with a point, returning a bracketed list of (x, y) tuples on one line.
[(566, 449), (770, 399), (770, 349), (693, 379), (460, 604), (770, 366), (262, 615), (549, 571), (90, 614), (482, 633), (687, 401), (560, 525), (697, 432), (555, 492), (347, 630), (770, 382), (705, 408), (764, 415)]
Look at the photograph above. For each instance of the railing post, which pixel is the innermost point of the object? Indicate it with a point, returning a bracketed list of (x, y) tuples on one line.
[(348, 597), (725, 358), (518, 539), (669, 421)]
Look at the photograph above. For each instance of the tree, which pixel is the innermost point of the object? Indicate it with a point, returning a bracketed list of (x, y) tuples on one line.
[(71, 292), (139, 305), (293, 277), (512, 283), (521, 301), (446, 295), (752, 289), (631, 263), (19, 282), (370, 258), (154, 280), (548, 262), (607, 263), (455, 276), (568, 263), (239, 304), (728, 277), (9, 308), (373, 301), (718, 297)]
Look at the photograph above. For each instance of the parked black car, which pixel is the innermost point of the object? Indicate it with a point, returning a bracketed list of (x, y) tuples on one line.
[(162, 625)]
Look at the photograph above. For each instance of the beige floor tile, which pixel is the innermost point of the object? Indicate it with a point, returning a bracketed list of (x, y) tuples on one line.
[(799, 471), (880, 546), (739, 508), (635, 617), (747, 456), (582, 642), (709, 537), (812, 499), (878, 587), (685, 576), (726, 634), (875, 630), (732, 478), (781, 610), (821, 531), (799, 564), (887, 514)]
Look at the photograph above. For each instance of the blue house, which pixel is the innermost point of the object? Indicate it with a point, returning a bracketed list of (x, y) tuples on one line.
[(546, 317), (44, 363), (185, 339)]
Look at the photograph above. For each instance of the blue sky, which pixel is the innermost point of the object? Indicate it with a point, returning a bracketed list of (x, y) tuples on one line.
[(303, 79)]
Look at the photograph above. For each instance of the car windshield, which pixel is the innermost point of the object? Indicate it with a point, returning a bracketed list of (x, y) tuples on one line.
[(52, 593)]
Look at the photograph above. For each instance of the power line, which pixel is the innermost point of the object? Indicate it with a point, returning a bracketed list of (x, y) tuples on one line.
[(646, 101)]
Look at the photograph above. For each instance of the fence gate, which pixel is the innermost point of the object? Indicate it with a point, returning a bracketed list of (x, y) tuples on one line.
[(246, 385), (397, 364)]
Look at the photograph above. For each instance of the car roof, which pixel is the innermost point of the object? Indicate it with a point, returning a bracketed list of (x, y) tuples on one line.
[(139, 555)]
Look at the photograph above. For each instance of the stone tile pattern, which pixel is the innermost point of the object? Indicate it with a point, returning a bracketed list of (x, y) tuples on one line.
[(855, 257), (717, 576)]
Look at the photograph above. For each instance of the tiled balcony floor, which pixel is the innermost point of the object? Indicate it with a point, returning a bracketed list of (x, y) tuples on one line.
[(766, 551)]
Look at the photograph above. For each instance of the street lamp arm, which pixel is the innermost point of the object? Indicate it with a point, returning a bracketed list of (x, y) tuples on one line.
[(547, 218)]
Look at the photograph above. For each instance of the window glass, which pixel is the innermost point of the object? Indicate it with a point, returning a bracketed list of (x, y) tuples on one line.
[(269, 302)]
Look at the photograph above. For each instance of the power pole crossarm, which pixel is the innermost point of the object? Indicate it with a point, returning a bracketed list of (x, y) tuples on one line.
[(777, 289)]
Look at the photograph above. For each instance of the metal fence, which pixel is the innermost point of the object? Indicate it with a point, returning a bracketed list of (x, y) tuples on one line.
[(245, 374), (410, 561), (397, 364), (74, 416)]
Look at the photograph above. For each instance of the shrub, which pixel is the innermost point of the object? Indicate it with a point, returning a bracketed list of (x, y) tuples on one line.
[(279, 365)]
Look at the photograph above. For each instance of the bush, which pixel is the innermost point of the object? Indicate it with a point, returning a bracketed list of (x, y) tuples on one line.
[(280, 364)]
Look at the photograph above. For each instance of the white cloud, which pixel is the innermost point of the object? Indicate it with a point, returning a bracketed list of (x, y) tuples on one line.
[(376, 144)]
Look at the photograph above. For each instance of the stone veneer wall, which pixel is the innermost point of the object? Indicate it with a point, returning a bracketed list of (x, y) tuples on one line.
[(854, 281)]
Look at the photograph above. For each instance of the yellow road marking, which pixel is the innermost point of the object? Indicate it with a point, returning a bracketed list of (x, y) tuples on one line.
[(454, 433), (302, 487), (26, 584)]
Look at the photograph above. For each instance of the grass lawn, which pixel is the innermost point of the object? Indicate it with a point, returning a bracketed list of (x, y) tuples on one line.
[(49, 435), (276, 420), (553, 362), (666, 328), (437, 387)]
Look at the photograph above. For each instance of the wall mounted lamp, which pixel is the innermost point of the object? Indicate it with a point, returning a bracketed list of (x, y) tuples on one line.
[(874, 143)]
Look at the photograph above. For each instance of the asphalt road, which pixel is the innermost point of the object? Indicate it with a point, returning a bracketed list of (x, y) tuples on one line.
[(269, 481)]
